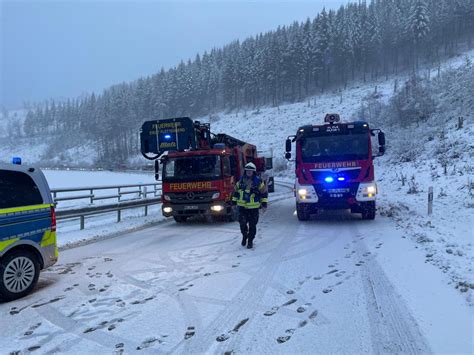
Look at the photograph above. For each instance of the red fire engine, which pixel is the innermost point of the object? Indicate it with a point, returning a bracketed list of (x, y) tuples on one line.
[(199, 168), (334, 167)]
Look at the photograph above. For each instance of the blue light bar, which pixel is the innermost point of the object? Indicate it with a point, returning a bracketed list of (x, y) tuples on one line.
[(329, 179), (16, 160), (341, 178), (167, 136)]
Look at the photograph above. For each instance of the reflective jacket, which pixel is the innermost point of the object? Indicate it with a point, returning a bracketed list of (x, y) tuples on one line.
[(250, 192)]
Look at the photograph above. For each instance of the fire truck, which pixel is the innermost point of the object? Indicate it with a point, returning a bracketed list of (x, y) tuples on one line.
[(334, 167), (199, 168)]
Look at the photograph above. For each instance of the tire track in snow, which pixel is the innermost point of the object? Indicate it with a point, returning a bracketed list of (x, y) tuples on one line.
[(393, 328)]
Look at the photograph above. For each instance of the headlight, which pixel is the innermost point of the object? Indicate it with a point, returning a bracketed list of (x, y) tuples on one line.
[(217, 208), (216, 195), (167, 197), (167, 209), (371, 189), (302, 192)]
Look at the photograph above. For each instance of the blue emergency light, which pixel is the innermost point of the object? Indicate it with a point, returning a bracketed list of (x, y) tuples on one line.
[(341, 178), (329, 179), (167, 136), (16, 160)]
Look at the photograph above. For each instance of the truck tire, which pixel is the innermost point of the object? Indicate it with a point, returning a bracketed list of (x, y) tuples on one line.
[(368, 210), (302, 212), (19, 273), (271, 185), (180, 219)]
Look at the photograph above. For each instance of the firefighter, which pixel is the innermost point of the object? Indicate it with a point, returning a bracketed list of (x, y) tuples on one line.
[(250, 194)]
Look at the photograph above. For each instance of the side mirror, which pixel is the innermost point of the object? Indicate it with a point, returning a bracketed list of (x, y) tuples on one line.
[(288, 146), (382, 150), (381, 138), (157, 170), (288, 155)]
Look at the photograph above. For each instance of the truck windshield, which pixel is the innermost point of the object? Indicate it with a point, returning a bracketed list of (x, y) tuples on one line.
[(206, 167), (335, 148)]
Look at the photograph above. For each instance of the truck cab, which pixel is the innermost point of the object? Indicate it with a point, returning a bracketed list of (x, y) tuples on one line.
[(334, 167), (199, 183)]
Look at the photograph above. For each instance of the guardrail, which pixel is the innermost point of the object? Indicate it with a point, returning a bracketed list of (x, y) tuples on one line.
[(82, 213), (141, 190), (142, 200)]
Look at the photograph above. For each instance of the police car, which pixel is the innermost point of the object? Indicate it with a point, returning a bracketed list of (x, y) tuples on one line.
[(27, 229)]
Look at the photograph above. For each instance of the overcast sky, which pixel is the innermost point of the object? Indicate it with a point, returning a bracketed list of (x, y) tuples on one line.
[(63, 48)]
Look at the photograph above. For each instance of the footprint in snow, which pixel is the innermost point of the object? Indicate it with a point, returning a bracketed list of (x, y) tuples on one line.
[(189, 333), (271, 312), (143, 300), (289, 302), (31, 329), (50, 301), (149, 342), (313, 315), (302, 309), (285, 338), (225, 336)]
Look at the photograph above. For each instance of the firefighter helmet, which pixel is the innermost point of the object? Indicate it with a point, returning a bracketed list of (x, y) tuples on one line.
[(250, 166)]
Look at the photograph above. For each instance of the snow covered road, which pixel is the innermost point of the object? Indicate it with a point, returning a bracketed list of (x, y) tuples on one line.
[(334, 284)]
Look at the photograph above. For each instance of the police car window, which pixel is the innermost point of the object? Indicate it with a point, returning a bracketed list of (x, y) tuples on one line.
[(18, 189)]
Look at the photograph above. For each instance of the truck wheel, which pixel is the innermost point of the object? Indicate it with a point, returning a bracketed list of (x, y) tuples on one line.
[(302, 212), (19, 273), (368, 210), (180, 219), (271, 185)]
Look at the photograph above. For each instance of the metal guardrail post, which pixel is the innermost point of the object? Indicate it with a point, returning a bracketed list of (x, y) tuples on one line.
[(146, 210), (82, 222), (430, 200), (118, 193), (92, 196), (119, 215)]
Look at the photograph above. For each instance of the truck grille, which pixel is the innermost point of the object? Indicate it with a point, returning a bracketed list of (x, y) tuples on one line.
[(319, 175), (194, 196)]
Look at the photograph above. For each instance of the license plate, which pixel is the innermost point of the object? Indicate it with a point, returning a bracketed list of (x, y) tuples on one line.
[(191, 207), (338, 191)]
